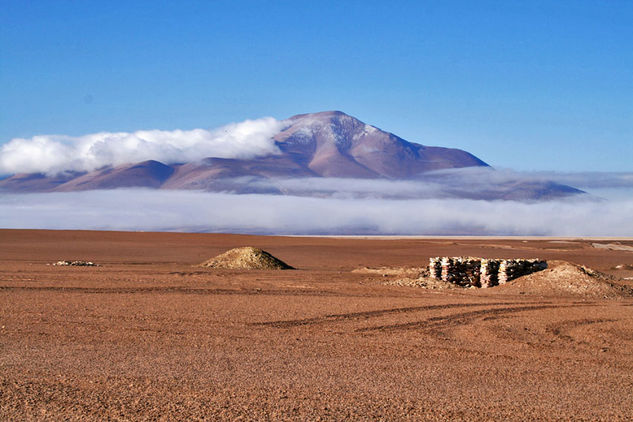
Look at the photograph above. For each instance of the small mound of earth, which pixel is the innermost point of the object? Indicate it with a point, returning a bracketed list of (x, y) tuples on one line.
[(75, 264), (246, 258), (565, 278)]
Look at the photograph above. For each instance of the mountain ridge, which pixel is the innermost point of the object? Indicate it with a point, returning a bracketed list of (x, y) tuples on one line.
[(329, 144)]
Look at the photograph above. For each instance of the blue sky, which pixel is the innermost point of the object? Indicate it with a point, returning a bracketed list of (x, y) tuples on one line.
[(530, 85)]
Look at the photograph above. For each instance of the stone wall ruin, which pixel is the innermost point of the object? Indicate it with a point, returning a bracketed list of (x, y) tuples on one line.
[(481, 272)]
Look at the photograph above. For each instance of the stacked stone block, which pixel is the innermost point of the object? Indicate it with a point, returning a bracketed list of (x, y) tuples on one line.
[(435, 268), (480, 272), (449, 273), (463, 271), (489, 274), (509, 269)]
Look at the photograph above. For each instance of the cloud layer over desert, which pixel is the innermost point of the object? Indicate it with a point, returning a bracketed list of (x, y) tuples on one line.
[(139, 209)]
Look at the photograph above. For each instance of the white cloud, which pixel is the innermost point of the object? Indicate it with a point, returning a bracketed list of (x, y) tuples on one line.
[(52, 154), (221, 212)]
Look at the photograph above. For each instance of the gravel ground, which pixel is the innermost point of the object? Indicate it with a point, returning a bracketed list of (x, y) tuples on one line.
[(147, 336)]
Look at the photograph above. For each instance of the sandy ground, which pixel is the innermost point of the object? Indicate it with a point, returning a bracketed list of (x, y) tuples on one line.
[(148, 336)]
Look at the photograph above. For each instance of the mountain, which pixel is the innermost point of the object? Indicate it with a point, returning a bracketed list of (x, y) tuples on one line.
[(333, 144), (148, 174), (35, 182), (328, 144)]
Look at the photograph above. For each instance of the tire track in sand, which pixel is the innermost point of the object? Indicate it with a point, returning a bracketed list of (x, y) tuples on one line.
[(463, 318), (376, 313)]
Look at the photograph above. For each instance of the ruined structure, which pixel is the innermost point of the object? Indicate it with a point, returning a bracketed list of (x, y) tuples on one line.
[(481, 272)]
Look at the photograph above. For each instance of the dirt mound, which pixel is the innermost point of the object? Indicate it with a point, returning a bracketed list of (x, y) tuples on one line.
[(565, 278), (246, 258)]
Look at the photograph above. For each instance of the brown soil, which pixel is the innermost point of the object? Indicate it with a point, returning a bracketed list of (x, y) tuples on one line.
[(406, 276), (246, 258), (147, 336), (410, 272)]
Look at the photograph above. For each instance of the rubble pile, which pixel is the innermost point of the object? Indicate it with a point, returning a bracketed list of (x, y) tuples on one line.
[(75, 264), (481, 272)]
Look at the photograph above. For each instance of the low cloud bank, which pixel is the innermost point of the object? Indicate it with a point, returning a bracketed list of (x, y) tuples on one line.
[(138, 209), (474, 177), (52, 154), (590, 180), (470, 182)]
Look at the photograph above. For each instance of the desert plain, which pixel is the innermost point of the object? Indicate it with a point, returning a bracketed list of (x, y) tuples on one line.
[(149, 335)]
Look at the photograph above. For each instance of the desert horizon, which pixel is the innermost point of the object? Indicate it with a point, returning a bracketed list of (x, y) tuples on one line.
[(355, 331), (369, 237)]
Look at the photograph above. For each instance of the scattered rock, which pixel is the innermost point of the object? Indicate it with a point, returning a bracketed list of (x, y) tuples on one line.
[(246, 258), (423, 282), (75, 264), (406, 276)]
